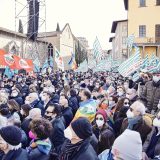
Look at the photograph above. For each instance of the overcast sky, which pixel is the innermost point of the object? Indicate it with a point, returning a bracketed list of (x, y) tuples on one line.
[(87, 18)]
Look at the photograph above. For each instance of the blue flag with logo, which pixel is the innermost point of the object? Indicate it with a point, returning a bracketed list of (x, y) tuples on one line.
[(8, 72)]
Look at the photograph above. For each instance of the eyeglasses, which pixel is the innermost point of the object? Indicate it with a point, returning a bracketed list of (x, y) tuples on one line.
[(49, 112), (126, 103), (99, 119)]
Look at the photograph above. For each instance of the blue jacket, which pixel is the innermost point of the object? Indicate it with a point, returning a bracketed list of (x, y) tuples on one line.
[(38, 104), (18, 99), (41, 152), (57, 136), (19, 154)]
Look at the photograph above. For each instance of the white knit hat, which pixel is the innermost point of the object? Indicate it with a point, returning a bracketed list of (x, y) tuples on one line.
[(128, 145)]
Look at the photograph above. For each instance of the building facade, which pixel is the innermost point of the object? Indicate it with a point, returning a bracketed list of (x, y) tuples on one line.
[(17, 43), (144, 23), (112, 52), (83, 41), (120, 47), (63, 40)]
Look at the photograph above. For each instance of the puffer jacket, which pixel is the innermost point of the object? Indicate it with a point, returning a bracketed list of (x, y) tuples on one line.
[(152, 93)]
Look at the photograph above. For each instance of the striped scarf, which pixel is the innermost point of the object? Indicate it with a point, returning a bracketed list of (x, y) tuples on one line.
[(69, 151)]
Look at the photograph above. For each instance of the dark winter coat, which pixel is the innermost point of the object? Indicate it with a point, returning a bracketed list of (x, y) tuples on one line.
[(152, 93), (19, 154), (57, 136), (74, 104), (152, 144), (24, 140), (18, 99), (36, 154), (142, 127), (68, 116), (55, 98), (105, 137), (38, 104), (86, 152), (25, 90), (25, 125)]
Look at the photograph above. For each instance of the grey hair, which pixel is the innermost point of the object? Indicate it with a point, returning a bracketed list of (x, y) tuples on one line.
[(139, 106)]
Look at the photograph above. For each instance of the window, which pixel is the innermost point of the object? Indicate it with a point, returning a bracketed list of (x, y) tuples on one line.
[(50, 50), (157, 33), (142, 31), (142, 3), (158, 2), (157, 30)]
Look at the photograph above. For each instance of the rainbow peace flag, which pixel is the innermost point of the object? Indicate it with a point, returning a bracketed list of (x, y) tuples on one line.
[(87, 109)]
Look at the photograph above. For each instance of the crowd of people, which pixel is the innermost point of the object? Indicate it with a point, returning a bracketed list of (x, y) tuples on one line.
[(37, 117)]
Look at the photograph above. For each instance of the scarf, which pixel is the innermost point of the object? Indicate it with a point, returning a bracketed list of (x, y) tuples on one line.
[(71, 150), (11, 155), (133, 121)]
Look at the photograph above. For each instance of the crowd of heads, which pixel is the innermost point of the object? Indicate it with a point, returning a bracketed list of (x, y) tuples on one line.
[(38, 116)]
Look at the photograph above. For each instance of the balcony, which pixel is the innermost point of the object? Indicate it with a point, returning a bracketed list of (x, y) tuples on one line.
[(147, 41)]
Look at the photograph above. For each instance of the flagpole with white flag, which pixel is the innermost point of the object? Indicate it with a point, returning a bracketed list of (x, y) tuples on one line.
[(97, 50)]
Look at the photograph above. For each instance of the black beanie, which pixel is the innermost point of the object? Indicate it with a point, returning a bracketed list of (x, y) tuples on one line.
[(11, 134), (82, 128)]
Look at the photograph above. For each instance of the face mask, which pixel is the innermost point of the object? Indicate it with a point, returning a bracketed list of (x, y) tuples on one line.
[(22, 112), (68, 133), (27, 102), (15, 94), (31, 135), (120, 94), (156, 123), (156, 79), (130, 114), (43, 98), (125, 86), (100, 123), (20, 79)]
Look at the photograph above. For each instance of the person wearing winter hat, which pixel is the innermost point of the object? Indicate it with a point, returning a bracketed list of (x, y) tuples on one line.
[(103, 131), (10, 143), (135, 120), (128, 146), (77, 145), (152, 145)]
